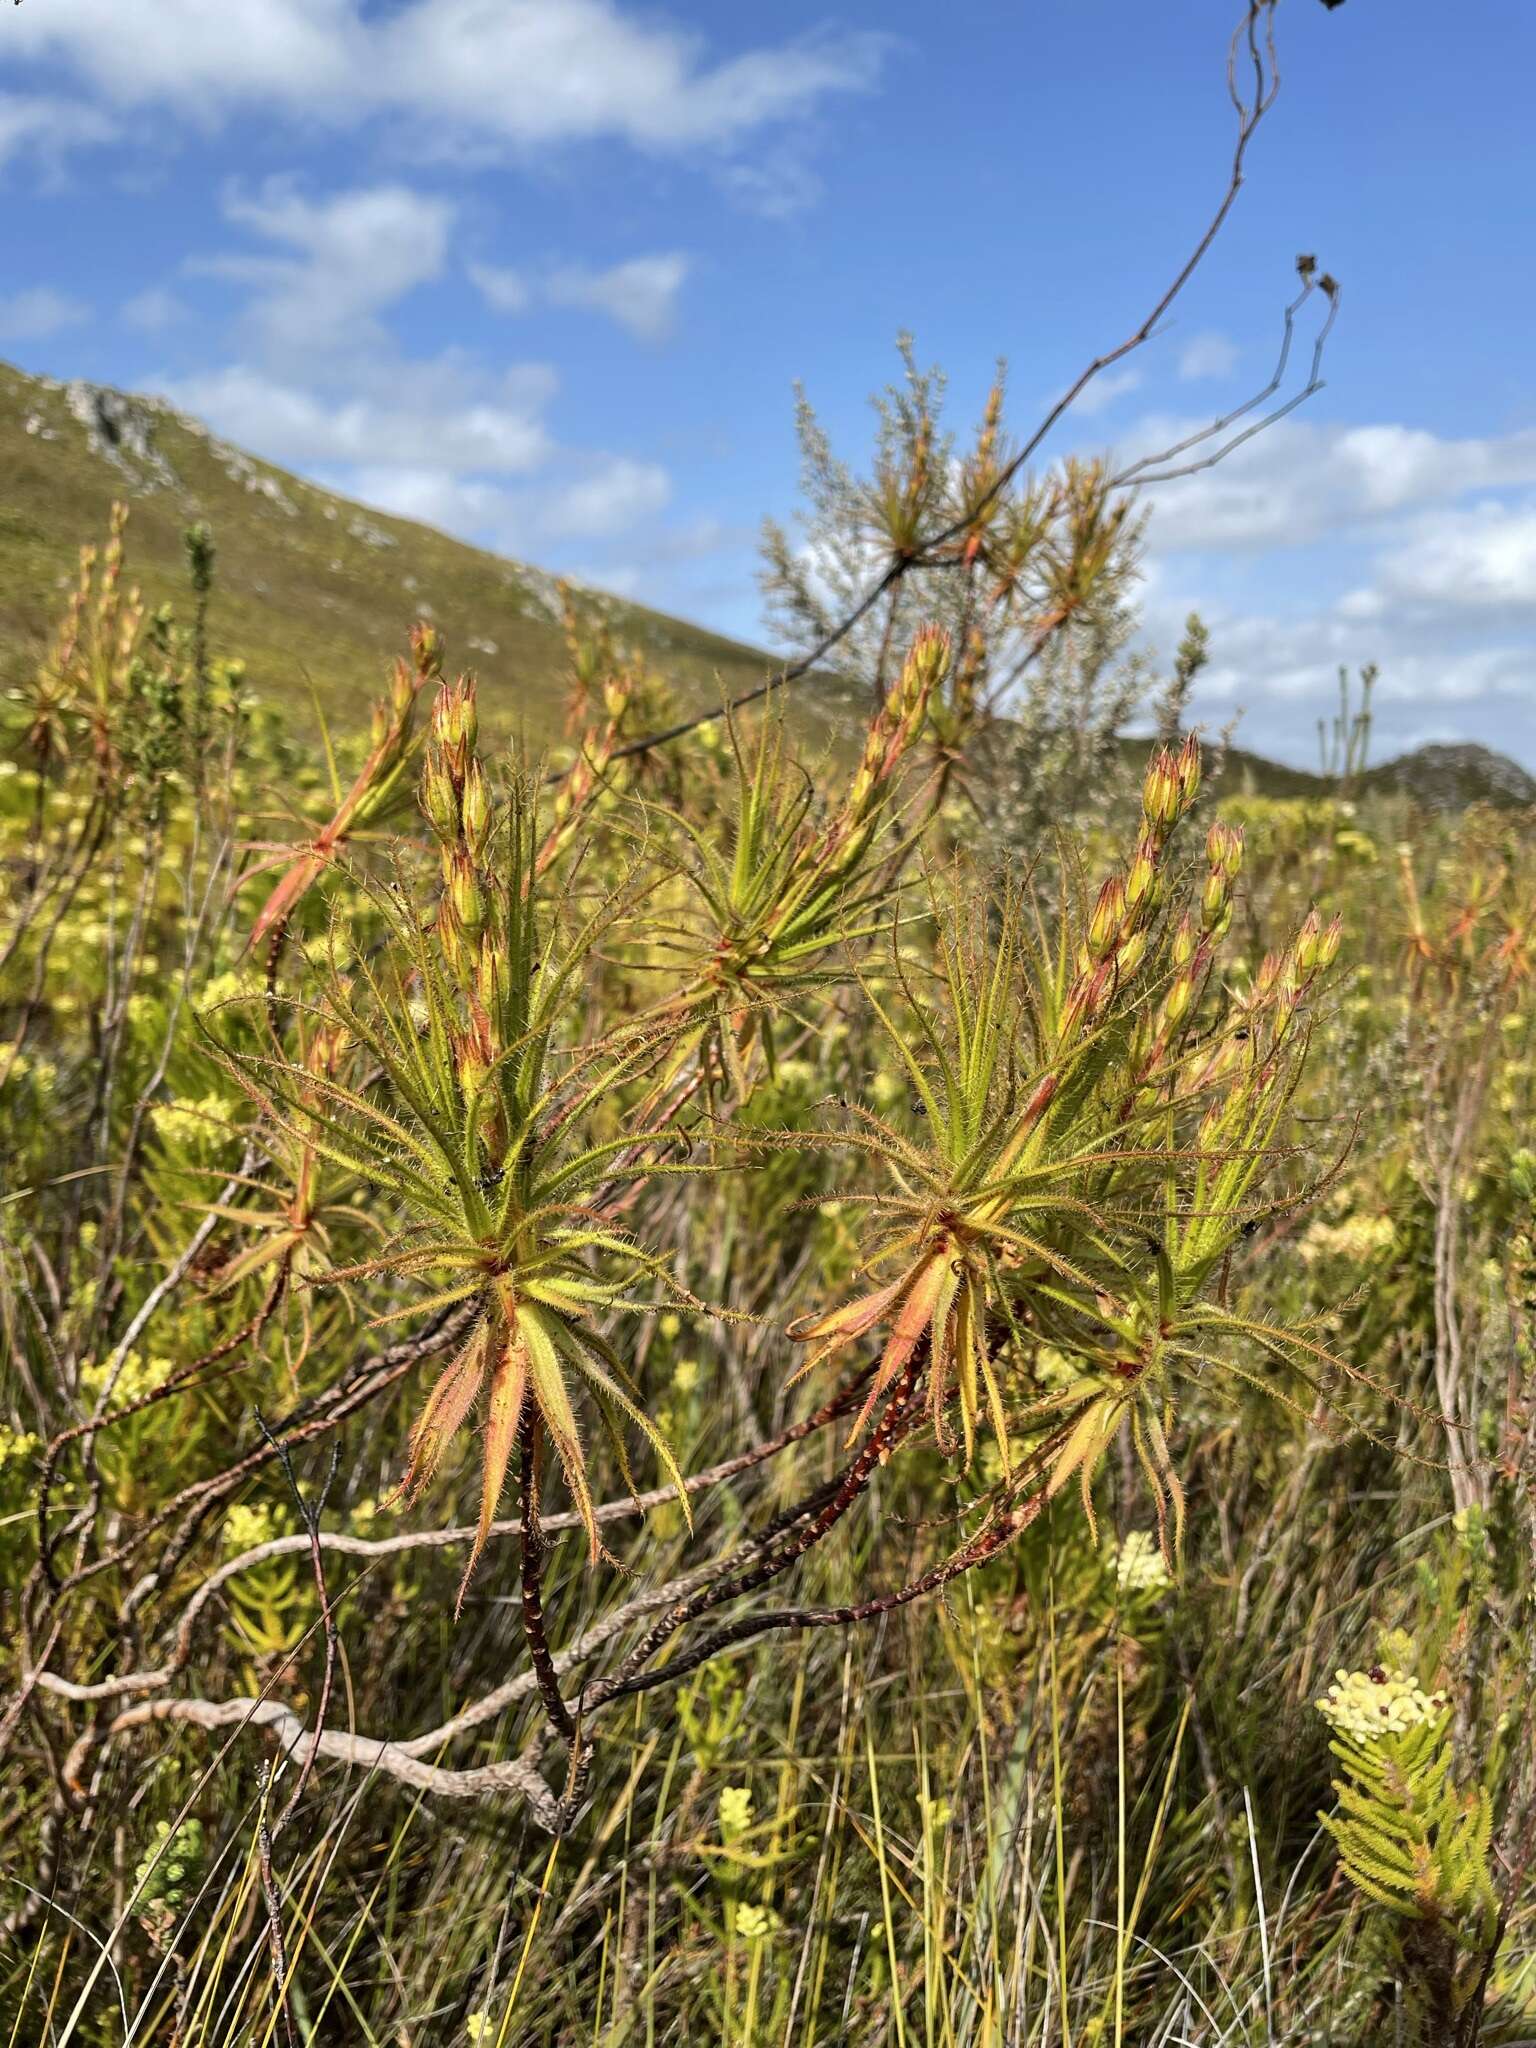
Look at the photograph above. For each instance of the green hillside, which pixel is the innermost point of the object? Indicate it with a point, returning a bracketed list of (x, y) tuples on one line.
[(316, 589), (311, 587)]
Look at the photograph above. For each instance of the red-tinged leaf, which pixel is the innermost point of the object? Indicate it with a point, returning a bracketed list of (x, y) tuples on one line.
[(509, 1388), (447, 1405), (553, 1397), (287, 896), (911, 1322), (852, 1320)]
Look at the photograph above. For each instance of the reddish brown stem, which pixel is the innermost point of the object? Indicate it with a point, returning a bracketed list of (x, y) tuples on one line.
[(896, 1418), (532, 1538)]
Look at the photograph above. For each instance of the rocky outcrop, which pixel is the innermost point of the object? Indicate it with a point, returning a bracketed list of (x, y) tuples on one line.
[(122, 430)]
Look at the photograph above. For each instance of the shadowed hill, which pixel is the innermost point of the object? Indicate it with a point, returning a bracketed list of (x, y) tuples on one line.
[(311, 587)]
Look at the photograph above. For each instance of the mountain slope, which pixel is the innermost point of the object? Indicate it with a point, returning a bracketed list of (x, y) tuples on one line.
[(314, 589), (310, 587), (1445, 777)]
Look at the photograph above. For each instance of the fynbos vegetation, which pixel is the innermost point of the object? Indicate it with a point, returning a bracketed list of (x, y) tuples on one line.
[(704, 1389)]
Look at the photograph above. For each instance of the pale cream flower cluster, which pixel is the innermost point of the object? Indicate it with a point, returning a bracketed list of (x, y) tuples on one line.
[(246, 1527), (17, 1446), (1357, 1238), (193, 1125), (1140, 1566), (1367, 1705)]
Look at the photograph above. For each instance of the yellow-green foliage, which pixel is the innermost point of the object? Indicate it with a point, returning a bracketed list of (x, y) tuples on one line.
[(1055, 1297), (1406, 1836)]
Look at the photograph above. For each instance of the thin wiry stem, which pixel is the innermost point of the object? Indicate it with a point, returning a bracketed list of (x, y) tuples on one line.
[(531, 1544), (929, 552)]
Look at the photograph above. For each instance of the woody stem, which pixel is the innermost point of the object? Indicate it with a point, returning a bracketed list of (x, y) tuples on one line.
[(806, 1526), (533, 1580)]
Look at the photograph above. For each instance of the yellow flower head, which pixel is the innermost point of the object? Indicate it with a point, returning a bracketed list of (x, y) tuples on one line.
[(1366, 1705), (753, 1921), (735, 1809), (245, 1527)]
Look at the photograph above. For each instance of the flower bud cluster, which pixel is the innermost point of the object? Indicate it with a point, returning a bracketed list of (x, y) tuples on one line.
[(457, 804), (619, 681), (1284, 981), (1169, 788), (900, 719), (1366, 1705), (450, 749), (1119, 925), (1224, 852), (603, 684)]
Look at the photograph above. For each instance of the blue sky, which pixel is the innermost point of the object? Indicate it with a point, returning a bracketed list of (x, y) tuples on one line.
[(542, 272)]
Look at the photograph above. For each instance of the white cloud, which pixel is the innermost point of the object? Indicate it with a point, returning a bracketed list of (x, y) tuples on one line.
[(604, 497), (1477, 558), (505, 291), (617, 494), (322, 387), (777, 183), (1443, 671), (435, 497), (524, 72), (153, 311), (1422, 559), (354, 254), (49, 127), (1298, 481), (640, 294), (1207, 355), (1108, 387), (433, 415), (37, 312)]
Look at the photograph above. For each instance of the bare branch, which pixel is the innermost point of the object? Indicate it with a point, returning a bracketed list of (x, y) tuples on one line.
[(1252, 45)]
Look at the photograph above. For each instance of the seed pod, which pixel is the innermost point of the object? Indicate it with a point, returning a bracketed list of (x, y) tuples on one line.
[(488, 979), (402, 694), (1141, 881), (1176, 1004), (1089, 995), (475, 805), (1215, 900), (474, 1065), (439, 798), (1108, 915), (467, 898), (426, 650), (1160, 794), (455, 725), (1188, 765), (1224, 848)]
